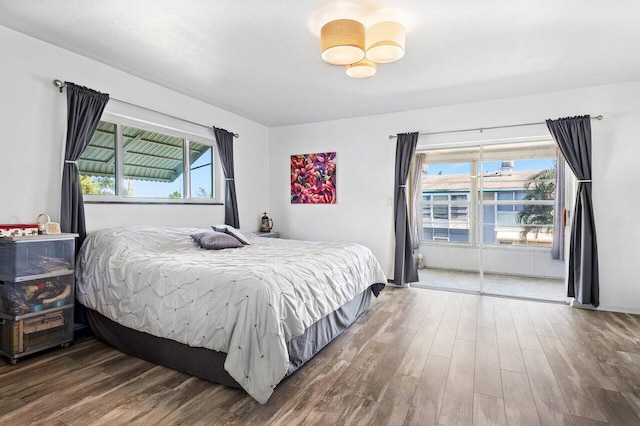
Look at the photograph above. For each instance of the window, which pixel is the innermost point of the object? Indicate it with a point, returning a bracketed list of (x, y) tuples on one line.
[(426, 206), (126, 162), (446, 218), (201, 182), (98, 163), (517, 184), (445, 202), (459, 212)]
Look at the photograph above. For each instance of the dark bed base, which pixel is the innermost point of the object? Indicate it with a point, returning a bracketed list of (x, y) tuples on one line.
[(209, 364)]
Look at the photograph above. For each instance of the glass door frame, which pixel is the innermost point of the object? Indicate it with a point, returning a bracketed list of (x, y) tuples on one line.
[(476, 236)]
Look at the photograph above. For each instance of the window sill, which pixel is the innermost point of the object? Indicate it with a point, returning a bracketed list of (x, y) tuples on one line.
[(446, 244), (162, 202), (505, 247), (518, 248)]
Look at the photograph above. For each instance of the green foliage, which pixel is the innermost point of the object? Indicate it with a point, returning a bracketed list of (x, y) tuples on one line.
[(175, 195), (97, 185), (542, 186)]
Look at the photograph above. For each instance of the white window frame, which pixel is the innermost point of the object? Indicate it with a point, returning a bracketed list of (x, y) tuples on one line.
[(122, 120)]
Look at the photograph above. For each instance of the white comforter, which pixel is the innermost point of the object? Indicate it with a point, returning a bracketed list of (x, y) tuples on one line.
[(247, 302)]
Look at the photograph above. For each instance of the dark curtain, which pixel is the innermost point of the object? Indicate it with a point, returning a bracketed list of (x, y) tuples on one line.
[(84, 109), (573, 136), (405, 270), (225, 148)]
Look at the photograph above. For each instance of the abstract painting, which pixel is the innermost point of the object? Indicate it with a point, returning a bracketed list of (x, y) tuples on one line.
[(313, 178)]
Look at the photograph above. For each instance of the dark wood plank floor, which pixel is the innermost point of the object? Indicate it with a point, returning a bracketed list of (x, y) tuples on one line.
[(417, 357)]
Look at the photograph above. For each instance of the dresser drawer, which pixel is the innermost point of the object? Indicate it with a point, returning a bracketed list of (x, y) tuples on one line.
[(37, 332), (24, 297), (35, 257)]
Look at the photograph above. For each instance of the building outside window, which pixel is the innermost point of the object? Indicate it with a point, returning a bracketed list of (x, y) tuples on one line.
[(507, 199)]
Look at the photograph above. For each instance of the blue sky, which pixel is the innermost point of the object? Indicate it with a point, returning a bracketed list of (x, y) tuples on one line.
[(200, 178)]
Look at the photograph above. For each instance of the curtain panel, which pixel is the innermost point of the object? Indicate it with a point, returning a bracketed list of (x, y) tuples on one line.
[(225, 149), (84, 109), (573, 136), (405, 270)]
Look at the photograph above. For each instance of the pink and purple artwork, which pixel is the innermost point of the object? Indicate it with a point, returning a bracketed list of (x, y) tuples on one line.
[(313, 178)]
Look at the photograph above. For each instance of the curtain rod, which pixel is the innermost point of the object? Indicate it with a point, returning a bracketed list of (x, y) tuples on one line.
[(481, 129), (60, 84)]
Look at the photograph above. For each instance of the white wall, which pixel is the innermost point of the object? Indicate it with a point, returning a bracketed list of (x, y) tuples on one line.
[(365, 163), (33, 123), (32, 120)]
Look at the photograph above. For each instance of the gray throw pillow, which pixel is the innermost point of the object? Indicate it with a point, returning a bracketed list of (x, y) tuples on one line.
[(212, 240), (228, 229)]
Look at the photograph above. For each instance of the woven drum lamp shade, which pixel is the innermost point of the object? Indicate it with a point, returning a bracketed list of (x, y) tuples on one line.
[(362, 69), (343, 42), (385, 42)]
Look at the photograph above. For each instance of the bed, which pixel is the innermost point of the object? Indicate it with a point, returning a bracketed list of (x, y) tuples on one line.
[(244, 317)]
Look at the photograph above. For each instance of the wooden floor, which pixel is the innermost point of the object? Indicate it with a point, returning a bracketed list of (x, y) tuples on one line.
[(417, 357)]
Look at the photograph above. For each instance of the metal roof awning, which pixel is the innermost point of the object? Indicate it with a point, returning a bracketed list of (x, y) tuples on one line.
[(148, 155), (508, 182)]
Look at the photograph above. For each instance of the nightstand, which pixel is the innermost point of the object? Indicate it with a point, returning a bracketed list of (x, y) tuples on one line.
[(36, 293), (268, 234)]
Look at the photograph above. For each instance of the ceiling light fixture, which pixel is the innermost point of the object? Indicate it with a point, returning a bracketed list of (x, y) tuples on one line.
[(343, 42), (362, 69), (385, 42)]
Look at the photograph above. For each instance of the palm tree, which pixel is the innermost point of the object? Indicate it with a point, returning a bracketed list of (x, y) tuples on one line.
[(542, 186)]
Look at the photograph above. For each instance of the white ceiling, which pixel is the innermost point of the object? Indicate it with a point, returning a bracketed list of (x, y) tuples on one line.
[(261, 59)]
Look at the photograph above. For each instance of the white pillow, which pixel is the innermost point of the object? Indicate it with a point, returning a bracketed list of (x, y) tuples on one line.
[(228, 229)]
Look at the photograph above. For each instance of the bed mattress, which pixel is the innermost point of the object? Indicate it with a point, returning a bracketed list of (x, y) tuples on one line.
[(247, 302)]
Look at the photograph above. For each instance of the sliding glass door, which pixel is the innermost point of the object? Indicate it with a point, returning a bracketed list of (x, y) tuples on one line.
[(488, 220), (448, 217)]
